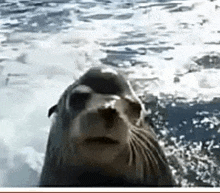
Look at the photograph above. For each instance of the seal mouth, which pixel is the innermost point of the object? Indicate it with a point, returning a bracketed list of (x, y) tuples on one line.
[(101, 141)]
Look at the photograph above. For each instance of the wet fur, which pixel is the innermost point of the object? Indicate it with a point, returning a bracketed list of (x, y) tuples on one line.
[(141, 164)]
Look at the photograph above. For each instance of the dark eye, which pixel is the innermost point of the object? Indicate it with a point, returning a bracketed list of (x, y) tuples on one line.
[(78, 100)]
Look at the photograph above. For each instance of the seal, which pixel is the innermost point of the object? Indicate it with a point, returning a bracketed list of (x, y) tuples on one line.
[(99, 137)]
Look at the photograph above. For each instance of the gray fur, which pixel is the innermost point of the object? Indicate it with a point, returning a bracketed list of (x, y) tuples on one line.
[(132, 155)]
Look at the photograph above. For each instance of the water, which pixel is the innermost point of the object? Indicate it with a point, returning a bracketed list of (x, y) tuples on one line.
[(167, 49)]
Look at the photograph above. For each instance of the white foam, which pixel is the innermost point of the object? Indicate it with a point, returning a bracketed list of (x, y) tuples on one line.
[(109, 70)]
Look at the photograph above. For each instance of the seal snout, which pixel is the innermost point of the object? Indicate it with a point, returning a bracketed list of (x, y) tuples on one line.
[(109, 115), (98, 122), (101, 140)]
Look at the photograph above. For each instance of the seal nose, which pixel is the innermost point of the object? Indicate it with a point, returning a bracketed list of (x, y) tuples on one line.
[(98, 122), (109, 115)]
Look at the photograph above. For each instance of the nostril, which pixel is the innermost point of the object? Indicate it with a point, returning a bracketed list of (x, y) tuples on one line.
[(109, 115), (109, 112), (78, 100)]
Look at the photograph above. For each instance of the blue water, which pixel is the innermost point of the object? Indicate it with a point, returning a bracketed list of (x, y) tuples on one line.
[(50, 16)]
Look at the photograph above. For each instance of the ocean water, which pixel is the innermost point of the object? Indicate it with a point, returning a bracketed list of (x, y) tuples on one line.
[(169, 50)]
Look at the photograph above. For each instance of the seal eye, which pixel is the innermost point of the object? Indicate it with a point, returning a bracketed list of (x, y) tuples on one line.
[(78, 100)]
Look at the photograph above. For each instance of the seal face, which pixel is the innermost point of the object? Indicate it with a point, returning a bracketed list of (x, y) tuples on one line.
[(99, 137)]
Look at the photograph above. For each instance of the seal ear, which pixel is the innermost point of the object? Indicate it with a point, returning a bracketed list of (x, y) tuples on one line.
[(52, 110)]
